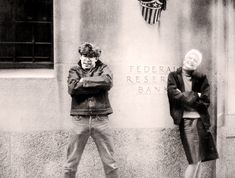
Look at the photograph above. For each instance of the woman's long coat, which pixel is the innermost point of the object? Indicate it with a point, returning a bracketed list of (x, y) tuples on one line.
[(178, 100)]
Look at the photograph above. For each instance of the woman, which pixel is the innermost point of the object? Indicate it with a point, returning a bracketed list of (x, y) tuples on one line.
[(188, 94)]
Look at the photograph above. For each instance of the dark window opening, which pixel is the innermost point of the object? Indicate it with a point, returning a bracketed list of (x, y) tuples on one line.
[(26, 33)]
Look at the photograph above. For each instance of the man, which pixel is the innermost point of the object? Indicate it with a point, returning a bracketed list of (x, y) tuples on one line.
[(189, 98), (88, 85)]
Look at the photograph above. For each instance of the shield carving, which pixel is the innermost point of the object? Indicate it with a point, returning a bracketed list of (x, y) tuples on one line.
[(151, 10)]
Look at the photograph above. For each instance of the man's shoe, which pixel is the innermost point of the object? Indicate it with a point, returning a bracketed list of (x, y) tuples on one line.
[(112, 174), (69, 175)]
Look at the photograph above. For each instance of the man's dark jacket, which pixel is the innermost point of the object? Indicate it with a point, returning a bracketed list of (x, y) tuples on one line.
[(90, 97), (178, 98)]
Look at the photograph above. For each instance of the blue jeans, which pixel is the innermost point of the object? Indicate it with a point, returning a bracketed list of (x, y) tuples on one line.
[(98, 128)]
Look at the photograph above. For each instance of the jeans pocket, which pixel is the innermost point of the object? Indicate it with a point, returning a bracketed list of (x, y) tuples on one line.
[(77, 118), (102, 118)]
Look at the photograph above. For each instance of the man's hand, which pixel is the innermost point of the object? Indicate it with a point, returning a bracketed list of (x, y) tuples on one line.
[(178, 90), (81, 80)]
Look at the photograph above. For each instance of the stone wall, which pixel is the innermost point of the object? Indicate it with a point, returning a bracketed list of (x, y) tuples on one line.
[(35, 105), (141, 153)]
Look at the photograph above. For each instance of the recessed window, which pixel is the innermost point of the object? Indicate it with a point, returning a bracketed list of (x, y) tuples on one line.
[(26, 33)]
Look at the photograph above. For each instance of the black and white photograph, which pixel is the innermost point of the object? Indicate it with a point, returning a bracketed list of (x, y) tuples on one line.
[(117, 89)]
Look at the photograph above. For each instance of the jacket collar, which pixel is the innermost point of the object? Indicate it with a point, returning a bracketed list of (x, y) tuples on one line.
[(179, 70), (195, 73), (180, 79)]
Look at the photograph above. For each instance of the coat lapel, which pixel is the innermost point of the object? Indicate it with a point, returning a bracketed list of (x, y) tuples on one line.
[(194, 80), (180, 79)]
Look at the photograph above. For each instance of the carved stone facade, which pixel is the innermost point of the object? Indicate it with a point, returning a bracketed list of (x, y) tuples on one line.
[(34, 115)]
